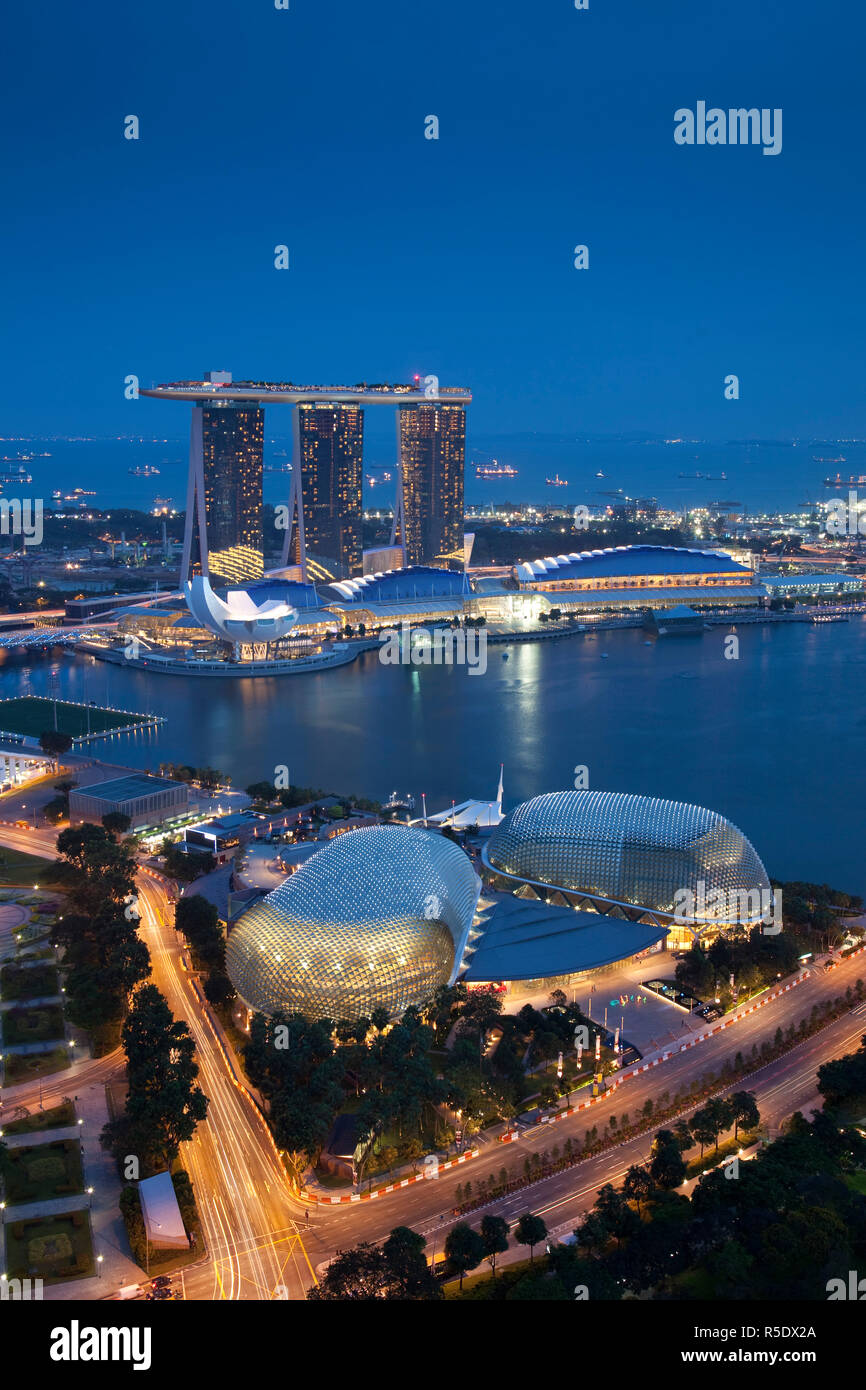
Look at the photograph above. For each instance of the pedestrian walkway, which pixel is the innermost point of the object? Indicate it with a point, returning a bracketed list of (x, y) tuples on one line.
[(41, 1136), (37, 1003)]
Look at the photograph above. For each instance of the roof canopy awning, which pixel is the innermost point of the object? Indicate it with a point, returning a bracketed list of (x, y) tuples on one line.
[(163, 1222)]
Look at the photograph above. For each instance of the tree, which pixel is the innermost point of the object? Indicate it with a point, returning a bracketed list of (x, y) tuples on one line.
[(719, 1116), (163, 1104), (494, 1234), (530, 1230), (198, 919), (704, 1128), (667, 1167), (56, 810), (638, 1184), (116, 823), (408, 1274), (186, 867), (55, 744), (379, 1018), (844, 1078), (744, 1111), (464, 1248), (219, 990), (357, 1275)]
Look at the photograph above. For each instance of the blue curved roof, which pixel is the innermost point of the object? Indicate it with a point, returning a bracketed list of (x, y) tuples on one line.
[(629, 560), (290, 591), (531, 940), (392, 586)]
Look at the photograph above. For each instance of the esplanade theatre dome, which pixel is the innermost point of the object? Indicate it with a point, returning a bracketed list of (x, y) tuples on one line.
[(377, 918), (637, 852)]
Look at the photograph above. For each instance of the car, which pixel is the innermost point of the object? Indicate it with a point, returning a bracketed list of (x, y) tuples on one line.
[(161, 1281)]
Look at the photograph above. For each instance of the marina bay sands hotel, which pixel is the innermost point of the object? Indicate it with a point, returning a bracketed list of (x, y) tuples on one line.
[(321, 524)]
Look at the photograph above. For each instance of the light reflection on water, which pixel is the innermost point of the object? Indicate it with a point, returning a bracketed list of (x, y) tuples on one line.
[(775, 740)]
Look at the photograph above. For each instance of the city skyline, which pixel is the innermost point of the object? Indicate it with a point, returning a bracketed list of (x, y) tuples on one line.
[(702, 262), (425, 650)]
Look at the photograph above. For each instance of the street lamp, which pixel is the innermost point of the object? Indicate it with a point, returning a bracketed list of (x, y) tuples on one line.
[(99, 1260), (90, 1196)]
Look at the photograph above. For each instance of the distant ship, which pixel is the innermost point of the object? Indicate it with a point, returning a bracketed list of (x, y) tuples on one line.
[(74, 496), (147, 470), (816, 458), (690, 475), (839, 481), (15, 475), (495, 470), (599, 474), (556, 481)]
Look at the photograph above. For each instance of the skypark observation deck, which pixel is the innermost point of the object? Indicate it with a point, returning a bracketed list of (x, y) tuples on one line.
[(287, 393)]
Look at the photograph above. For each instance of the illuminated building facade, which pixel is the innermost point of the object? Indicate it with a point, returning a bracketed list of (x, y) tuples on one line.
[(430, 508), (323, 534), (632, 856), (329, 443), (635, 568), (223, 533), (379, 917)]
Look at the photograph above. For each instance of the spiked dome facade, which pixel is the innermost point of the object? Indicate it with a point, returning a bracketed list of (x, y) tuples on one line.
[(378, 918), (634, 855)]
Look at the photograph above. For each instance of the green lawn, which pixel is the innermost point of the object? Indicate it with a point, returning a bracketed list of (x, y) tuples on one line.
[(31, 715), (22, 869), (38, 1172), (36, 1064), (41, 1024), (53, 1118), (52, 1248), (28, 982)]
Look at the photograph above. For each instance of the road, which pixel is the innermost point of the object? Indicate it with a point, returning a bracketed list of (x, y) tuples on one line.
[(250, 1218), (259, 1244), (782, 1087)]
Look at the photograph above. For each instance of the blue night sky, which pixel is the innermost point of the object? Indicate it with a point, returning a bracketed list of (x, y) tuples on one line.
[(453, 256)]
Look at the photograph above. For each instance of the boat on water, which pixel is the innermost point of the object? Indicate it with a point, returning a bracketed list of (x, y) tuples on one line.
[(147, 470), (556, 481), (599, 474), (839, 481), (396, 802), (495, 470), (690, 475), (816, 458)]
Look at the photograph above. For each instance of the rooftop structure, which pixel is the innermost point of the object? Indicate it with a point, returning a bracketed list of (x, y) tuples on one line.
[(146, 800), (633, 855), (414, 582), (532, 940), (238, 618), (628, 566), (289, 393), (379, 917)]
